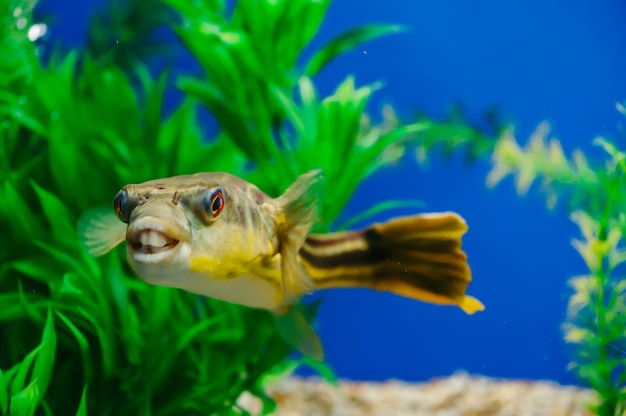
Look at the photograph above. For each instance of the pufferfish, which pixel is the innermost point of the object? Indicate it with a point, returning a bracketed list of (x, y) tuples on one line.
[(217, 235)]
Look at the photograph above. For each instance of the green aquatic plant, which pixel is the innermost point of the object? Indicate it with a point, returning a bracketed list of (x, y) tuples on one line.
[(596, 312), (455, 134), (80, 335), (593, 193), (269, 107), (125, 33)]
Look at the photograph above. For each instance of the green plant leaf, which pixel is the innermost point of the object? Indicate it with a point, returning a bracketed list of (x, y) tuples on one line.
[(22, 370), (57, 215), (83, 345), (377, 209), (29, 308), (4, 395), (38, 268), (25, 402), (42, 369), (347, 41), (37, 367), (82, 407)]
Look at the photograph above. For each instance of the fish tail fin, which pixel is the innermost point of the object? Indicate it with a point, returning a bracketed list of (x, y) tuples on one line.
[(419, 257)]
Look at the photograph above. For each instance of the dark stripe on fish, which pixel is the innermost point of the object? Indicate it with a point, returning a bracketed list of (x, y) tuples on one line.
[(340, 257), (417, 262), (324, 241)]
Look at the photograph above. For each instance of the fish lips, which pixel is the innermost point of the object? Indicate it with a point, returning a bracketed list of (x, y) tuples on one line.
[(149, 241)]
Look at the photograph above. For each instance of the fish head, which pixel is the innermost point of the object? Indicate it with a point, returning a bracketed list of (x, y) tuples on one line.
[(175, 226)]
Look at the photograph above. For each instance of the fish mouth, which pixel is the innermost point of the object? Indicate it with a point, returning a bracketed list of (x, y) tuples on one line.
[(153, 241), (150, 242)]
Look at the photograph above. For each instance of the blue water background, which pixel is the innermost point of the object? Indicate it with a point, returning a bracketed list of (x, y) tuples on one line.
[(560, 61)]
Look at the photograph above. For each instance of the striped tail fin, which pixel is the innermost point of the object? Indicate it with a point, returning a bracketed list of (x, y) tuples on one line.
[(419, 257)]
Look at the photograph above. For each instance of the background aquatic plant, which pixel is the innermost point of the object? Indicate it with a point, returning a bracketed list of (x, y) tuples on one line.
[(594, 192), (81, 335), (274, 115)]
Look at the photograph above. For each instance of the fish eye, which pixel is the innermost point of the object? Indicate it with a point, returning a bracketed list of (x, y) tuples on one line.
[(120, 205), (214, 202)]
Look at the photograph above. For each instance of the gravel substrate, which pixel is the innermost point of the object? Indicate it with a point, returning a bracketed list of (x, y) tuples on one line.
[(457, 395)]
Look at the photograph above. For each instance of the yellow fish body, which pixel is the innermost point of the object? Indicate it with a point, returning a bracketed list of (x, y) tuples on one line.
[(217, 235)]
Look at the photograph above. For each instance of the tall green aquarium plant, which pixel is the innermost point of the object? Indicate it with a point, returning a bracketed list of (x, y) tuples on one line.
[(594, 191), (594, 194), (80, 335)]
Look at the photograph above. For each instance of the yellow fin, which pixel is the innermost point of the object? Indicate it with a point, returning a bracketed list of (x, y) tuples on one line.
[(296, 330), (470, 305), (296, 214), (100, 231)]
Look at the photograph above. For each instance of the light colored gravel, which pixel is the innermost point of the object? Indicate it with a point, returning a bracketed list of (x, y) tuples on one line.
[(457, 395)]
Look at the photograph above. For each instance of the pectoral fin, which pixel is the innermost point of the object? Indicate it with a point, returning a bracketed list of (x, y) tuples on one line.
[(100, 231), (295, 280), (297, 331), (295, 214)]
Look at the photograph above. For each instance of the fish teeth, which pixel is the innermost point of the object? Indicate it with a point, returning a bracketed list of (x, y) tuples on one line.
[(152, 238)]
